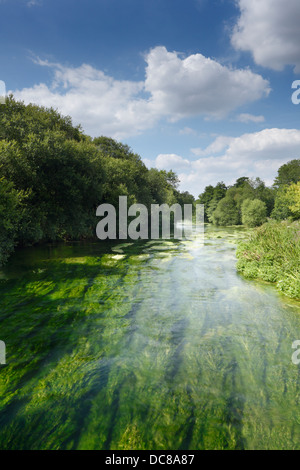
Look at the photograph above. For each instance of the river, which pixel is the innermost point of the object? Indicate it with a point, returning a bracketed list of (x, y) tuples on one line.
[(153, 345)]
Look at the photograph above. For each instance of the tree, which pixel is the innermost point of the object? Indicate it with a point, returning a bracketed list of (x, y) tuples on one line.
[(57, 177), (9, 215), (172, 178), (18, 121), (265, 194), (184, 198), (254, 212), (226, 212), (157, 184), (125, 177), (281, 209), (62, 179), (211, 209), (240, 182), (293, 197), (219, 193), (205, 198), (288, 173), (111, 148)]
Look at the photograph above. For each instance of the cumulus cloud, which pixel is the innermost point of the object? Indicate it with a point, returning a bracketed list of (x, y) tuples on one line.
[(257, 154), (217, 146), (174, 87), (167, 161), (269, 29), (183, 87), (100, 103)]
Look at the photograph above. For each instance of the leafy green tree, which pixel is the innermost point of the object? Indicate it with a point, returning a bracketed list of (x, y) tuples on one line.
[(281, 209), (63, 182), (288, 173), (265, 194), (255, 189), (172, 178), (184, 198), (18, 120), (240, 182), (226, 212), (205, 198), (293, 197), (254, 212), (111, 148), (219, 193), (59, 176), (162, 186), (211, 209), (9, 215), (125, 177)]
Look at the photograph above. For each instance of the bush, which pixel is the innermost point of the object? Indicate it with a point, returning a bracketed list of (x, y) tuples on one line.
[(254, 212), (293, 195), (226, 212), (273, 254)]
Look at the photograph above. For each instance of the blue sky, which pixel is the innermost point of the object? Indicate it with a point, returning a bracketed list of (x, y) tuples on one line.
[(200, 86)]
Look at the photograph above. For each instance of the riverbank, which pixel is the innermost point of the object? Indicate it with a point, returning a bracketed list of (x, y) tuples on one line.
[(272, 254)]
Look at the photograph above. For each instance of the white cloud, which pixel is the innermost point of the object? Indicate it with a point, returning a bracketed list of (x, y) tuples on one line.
[(167, 161), (250, 118), (197, 85), (269, 29), (174, 88), (217, 146), (257, 154), (102, 104)]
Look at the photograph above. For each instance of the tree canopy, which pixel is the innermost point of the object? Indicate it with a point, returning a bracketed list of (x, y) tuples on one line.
[(249, 201), (53, 177)]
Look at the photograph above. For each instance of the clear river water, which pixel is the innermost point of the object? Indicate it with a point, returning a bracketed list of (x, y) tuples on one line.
[(145, 345)]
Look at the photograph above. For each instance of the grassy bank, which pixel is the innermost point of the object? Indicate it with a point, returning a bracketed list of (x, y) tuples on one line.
[(272, 254)]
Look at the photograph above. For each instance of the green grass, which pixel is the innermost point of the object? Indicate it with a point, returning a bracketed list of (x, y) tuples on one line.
[(272, 253)]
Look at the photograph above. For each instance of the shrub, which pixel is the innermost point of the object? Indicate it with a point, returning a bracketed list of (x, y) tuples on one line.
[(226, 212), (254, 212), (272, 254)]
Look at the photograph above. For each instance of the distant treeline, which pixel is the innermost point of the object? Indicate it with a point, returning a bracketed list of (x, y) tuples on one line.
[(250, 202), (53, 177), (272, 251)]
